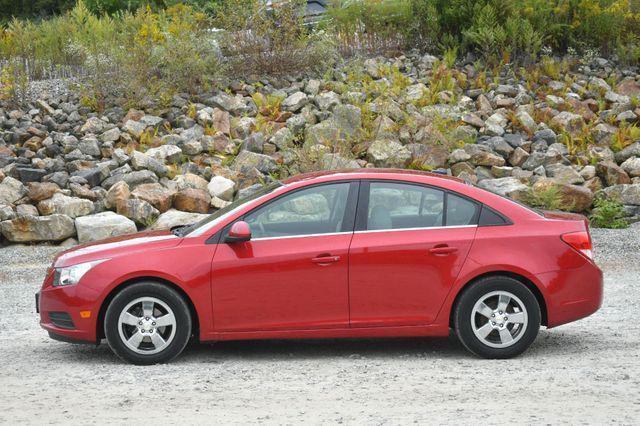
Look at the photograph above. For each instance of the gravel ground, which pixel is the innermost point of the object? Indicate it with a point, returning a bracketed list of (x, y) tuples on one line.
[(586, 372)]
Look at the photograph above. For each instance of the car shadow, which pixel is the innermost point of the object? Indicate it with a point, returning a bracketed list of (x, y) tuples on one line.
[(548, 344)]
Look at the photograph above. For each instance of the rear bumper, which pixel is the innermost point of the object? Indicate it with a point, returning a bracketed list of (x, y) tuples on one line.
[(573, 293), (51, 302)]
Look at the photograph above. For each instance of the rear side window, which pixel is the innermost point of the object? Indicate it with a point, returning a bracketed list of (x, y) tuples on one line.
[(461, 211), (400, 206)]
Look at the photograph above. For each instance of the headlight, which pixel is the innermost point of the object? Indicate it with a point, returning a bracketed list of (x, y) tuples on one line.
[(72, 274)]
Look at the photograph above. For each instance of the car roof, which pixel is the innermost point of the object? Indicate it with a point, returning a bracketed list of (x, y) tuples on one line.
[(368, 173)]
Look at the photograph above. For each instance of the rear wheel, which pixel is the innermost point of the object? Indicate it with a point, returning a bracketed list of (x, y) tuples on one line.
[(497, 317), (147, 323)]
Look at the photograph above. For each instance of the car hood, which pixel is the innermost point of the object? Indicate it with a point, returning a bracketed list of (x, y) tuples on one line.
[(116, 246)]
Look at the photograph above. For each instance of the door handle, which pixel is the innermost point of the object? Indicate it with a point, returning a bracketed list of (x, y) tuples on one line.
[(442, 250), (325, 259)]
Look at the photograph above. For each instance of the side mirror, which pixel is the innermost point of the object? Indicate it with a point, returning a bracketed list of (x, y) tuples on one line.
[(239, 232)]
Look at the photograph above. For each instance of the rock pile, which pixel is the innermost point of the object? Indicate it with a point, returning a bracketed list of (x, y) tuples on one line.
[(68, 172)]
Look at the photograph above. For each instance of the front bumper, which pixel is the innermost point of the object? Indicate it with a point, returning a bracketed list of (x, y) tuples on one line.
[(54, 303)]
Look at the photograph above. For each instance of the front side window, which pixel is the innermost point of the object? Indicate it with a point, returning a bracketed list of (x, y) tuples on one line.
[(316, 210), (400, 206)]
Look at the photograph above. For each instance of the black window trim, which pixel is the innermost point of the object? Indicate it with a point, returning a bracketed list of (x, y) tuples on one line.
[(348, 219)]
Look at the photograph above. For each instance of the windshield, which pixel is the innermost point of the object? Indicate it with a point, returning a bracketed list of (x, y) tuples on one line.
[(210, 221)]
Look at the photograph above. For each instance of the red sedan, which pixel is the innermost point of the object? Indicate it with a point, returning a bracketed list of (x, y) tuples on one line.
[(364, 253)]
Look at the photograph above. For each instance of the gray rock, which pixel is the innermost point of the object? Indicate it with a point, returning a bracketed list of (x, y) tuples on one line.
[(56, 227), (221, 187), (632, 150), (6, 212), (348, 119), (632, 166), (165, 153), (26, 210), (103, 225), (135, 128), (295, 102), (330, 161), (483, 156), (94, 125), (11, 190), (140, 161), (247, 160), (89, 146), (507, 186), (233, 104), (568, 122), (139, 211), (327, 101), (190, 180), (386, 153), (282, 139), (628, 194), (563, 174), (65, 205), (111, 135), (173, 217)]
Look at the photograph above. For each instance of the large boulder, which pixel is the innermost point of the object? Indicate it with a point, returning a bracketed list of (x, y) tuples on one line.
[(189, 180), (103, 225), (628, 194), (192, 200), (221, 187), (348, 119), (139, 211), (386, 153), (11, 190), (632, 150), (174, 217), (631, 166), (611, 173), (24, 229), (506, 186), (41, 191), (247, 160), (155, 194), (65, 205), (295, 102), (428, 156), (563, 174), (119, 193)]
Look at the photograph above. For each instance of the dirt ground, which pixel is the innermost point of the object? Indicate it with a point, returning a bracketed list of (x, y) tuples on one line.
[(587, 372)]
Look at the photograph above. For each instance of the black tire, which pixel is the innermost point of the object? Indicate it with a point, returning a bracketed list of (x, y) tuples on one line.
[(478, 291), (164, 294)]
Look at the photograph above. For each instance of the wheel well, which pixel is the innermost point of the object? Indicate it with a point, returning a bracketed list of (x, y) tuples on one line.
[(107, 300), (530, 285)]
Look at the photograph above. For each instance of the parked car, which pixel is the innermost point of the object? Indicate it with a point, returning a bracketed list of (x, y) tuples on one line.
[(361, 253)]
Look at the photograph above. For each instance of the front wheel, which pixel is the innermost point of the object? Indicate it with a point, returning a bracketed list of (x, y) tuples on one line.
[(497, 317), (147, 323)]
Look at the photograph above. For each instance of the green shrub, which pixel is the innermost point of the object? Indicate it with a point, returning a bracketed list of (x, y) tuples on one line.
[(608, 214), (257, 40)]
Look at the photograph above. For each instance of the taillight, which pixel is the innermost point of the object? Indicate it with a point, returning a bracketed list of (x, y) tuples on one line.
[(580, 241)]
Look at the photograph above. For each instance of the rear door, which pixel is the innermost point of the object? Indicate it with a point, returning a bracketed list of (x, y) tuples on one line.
[(409, 246)]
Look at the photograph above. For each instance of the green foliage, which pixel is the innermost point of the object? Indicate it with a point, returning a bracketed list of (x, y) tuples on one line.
[(608, 214), (549, 198), (258, 40)]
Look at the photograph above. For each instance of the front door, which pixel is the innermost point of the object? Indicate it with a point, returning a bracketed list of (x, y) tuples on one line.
[(403, 257), (293, 274)]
